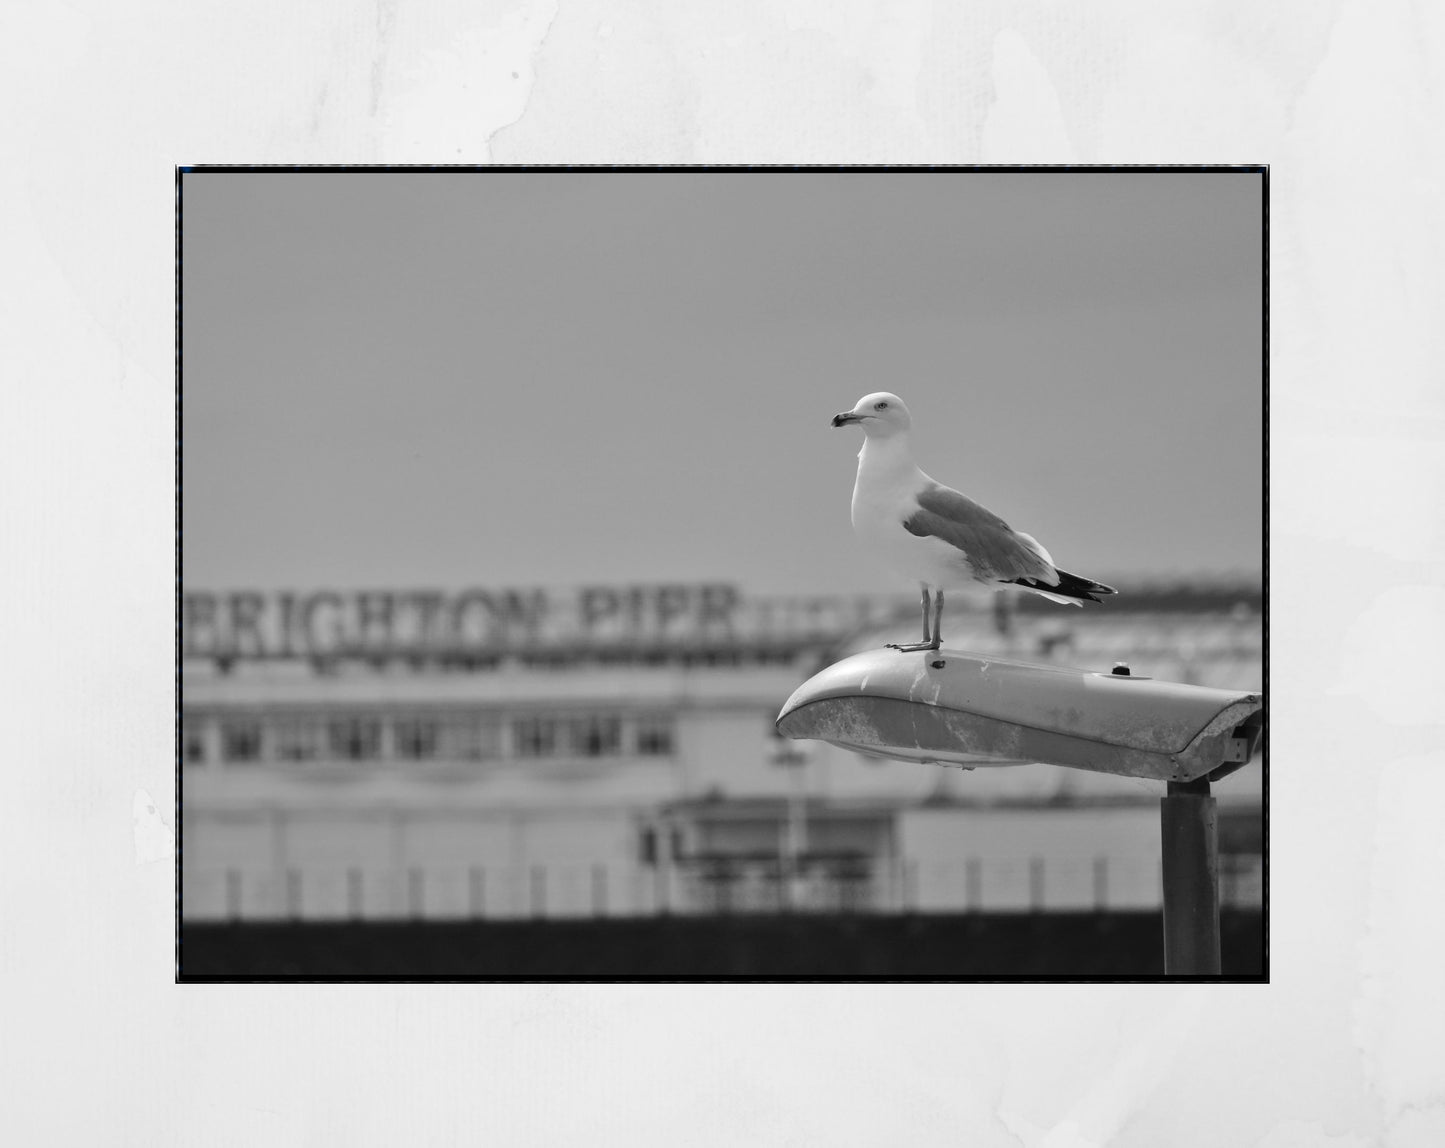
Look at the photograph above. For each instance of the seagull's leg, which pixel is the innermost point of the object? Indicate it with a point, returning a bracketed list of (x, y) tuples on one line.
[(926, 644), (937, 619)]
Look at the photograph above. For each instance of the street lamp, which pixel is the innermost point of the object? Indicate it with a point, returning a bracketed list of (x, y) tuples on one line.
[(947, 707)]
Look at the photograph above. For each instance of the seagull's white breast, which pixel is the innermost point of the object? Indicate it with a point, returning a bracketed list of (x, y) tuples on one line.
[(884, 496)]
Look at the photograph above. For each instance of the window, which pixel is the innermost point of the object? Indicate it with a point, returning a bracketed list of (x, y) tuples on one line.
[(416, 739), (241, 739), (193, 741), (536, 737), (298, 739), (655, 735), (355, 739), (597, 736), (467, 737)]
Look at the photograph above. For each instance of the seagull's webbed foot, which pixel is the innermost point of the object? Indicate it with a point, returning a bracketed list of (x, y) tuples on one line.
[(914, 647)]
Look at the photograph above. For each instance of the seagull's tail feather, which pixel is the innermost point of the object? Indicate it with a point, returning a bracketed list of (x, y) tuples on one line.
[(1070, 590), (1059, 598)]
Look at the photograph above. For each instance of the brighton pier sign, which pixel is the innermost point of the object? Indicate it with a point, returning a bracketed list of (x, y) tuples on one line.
[(250, 624)]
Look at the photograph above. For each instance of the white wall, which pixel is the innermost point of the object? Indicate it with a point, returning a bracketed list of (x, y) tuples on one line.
[(378, 864), (731, 749), (982, 858)]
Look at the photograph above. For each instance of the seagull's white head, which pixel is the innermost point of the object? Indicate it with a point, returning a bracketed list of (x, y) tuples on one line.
[(880, 414)]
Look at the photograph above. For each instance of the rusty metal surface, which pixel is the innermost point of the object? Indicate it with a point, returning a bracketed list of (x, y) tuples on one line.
[(990, 711)]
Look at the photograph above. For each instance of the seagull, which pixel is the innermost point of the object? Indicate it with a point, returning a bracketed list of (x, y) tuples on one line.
[(935, 535)]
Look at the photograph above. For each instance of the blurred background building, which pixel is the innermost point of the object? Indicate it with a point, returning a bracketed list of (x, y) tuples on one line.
[(608, 752)]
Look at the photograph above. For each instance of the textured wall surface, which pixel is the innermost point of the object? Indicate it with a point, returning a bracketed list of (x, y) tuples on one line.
[(1342, 98)]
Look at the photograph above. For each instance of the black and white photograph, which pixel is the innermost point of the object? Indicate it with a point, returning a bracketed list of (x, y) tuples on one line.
[(769, 574), (723, 574)]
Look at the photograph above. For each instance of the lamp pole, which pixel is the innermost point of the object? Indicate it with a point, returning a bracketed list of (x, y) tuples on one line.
[(1189, 835), (1189, 841)]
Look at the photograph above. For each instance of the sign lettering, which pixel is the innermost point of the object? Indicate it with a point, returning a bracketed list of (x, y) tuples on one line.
[(248, 624)]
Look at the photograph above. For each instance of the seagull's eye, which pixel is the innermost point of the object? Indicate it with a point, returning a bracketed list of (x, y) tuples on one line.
[(880, 406)]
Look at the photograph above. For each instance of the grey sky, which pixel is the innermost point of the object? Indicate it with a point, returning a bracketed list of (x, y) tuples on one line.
[(456, 379)]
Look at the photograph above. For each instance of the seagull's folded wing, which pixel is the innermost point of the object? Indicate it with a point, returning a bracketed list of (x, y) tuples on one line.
[(993, 549)]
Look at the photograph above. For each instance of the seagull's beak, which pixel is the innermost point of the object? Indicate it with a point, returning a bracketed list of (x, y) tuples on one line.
[(842, 420)]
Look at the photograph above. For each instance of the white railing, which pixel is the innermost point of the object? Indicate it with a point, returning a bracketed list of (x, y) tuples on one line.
[(714, 887)]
